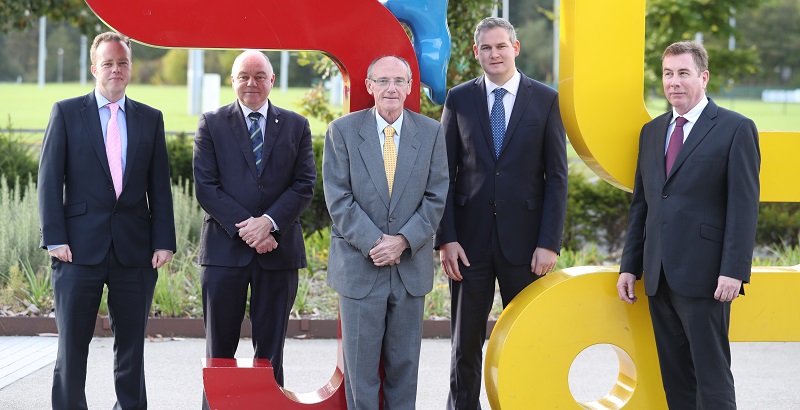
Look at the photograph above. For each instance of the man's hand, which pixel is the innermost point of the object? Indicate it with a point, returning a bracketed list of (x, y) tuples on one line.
[(254, 231), (543, 261), (727, 289), (268, 244), (62, 253), (388, 249), (160, 257), (625, 286), (449, 255)]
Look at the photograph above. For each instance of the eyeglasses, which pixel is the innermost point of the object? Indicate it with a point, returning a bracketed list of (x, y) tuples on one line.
[(384, 82)]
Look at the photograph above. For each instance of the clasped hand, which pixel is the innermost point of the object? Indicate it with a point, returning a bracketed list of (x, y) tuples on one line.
[(257, 234), (387, 250)]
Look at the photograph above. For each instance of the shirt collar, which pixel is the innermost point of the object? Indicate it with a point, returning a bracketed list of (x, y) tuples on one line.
[(397, 125), (263, 110), (103, 101), (511, 86), (694, 114)]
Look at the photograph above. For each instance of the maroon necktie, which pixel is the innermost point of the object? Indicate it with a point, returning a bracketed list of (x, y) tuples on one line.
[(675, 143)]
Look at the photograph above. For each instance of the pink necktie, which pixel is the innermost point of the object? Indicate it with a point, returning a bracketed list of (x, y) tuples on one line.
[(675, 143), (114, 149)]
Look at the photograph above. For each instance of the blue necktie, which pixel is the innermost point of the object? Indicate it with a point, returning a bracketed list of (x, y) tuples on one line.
[(498, 120), (256, 137)]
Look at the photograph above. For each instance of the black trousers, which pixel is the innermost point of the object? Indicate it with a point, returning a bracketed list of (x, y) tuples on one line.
[(78, 290), (272, 294), (471, 302), (693, 350)]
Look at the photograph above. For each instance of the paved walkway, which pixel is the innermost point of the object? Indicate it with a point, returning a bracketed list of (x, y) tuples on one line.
[(767, 374)]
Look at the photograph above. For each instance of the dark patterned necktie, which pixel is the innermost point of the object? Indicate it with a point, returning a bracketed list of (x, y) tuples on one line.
[(256, 137), (498, 120)]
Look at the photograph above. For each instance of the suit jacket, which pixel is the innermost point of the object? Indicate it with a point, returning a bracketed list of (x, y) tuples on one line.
[(357, 196), (77, 202), (700, 221), (230, 189), (524, 190)]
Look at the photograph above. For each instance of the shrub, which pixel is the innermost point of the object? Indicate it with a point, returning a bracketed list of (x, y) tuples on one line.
[(597, 213), (18, 160), (179, 148), (316, 217)]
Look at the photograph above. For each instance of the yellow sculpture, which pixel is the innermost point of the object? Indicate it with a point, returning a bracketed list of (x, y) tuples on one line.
[(545, 327)]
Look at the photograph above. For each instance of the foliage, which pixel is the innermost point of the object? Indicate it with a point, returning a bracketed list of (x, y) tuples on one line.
[(669, 21), (316, 217), (174, 65), (21, 15), (17, 160), (314, 104), (778, 224), (19, 232), (462, 17), (179, 149), (597, 213), (772, 30)]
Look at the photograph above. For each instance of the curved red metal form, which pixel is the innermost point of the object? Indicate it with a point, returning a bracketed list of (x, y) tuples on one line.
[(351, 32)]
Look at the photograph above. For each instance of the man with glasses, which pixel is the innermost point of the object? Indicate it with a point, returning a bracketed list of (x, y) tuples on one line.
[(254, 175), (385, 179)]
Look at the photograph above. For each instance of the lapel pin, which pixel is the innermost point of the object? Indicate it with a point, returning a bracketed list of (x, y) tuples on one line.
[(276, 120)]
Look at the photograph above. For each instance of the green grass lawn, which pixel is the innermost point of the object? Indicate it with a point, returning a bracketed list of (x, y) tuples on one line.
[(767, 116), (28, 106)]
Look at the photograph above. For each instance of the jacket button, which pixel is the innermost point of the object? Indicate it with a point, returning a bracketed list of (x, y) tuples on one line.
[(664, 196), (497, 173), (260, 186), (111, 187)]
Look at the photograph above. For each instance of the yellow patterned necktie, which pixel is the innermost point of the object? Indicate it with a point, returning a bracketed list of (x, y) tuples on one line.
[(389, 156)]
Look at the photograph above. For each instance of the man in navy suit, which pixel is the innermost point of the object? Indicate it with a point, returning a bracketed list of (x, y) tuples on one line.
[(105, 206), (506, 205), (254, 175), (691, 230)]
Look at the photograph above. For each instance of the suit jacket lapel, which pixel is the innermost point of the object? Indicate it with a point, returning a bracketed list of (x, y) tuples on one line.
[(242, 136), (482, 108), (699, 132), (524, 95), (372, 156), (273, 127), (406, 157), (133, 124), (94, 130)]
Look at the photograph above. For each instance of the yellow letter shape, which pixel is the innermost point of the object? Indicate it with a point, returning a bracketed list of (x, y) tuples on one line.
[(547, 325), (601, 96)]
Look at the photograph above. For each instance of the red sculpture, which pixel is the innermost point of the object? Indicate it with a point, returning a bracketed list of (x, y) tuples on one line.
[(352, 33)]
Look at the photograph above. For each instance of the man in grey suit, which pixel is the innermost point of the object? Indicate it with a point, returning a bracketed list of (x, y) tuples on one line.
[(385, 180), (691, 230)]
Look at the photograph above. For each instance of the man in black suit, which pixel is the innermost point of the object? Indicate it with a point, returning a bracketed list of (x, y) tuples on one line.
[(691, 230), (105, 206), (254, 175), (507, 200)]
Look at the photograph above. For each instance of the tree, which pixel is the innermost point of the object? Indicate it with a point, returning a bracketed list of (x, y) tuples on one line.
[(20, 15), (462, 17), (669, 21), (772, 30)]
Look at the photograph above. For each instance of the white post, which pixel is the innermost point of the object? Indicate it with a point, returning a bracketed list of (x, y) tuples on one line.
[(84, 53), (284, 71), (194, 81), (42, 48)]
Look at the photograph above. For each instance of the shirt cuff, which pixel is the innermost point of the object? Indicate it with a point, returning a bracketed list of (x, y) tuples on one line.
[(274, 225)]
